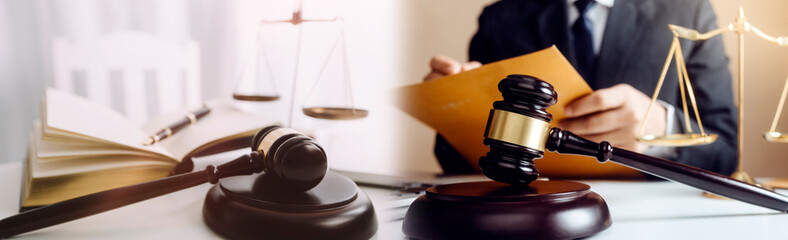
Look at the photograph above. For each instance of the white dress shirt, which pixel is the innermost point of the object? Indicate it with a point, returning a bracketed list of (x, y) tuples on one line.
[(597, 14)]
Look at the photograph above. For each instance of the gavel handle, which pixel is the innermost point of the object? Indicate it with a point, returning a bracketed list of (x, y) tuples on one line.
[(99, 202), (566, 142)]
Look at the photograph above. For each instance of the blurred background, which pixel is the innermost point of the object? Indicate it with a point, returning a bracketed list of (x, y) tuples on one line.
[(389, 44)]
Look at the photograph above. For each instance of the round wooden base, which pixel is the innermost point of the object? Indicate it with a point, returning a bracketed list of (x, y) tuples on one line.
[(258, 207), (493, 210)]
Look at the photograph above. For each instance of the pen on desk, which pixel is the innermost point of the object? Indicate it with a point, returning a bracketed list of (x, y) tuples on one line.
[(189, 119)]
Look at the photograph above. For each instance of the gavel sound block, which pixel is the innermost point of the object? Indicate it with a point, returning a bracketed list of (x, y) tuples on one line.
[(251, 207), (266, 206), (518, 207)]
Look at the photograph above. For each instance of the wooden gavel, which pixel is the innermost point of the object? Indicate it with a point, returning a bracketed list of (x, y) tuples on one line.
[(518, 131), (292, 159)]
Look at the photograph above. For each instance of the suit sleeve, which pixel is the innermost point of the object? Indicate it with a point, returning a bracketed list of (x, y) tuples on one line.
[(707, 66)]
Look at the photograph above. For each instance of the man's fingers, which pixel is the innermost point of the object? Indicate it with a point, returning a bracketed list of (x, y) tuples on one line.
[(445, 65), (471, 65), (611, 114), (600, 100)]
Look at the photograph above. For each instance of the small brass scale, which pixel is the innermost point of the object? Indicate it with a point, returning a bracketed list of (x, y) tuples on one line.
[(740, 26), (346, 111)]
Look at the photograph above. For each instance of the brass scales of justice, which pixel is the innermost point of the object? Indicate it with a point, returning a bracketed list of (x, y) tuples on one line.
[(256, 84), (740, 26)]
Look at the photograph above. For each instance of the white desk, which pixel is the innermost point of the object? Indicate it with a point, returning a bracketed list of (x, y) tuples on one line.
[(641, 210)]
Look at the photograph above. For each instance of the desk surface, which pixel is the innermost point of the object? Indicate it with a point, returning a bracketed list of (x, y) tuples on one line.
[(645, 210)]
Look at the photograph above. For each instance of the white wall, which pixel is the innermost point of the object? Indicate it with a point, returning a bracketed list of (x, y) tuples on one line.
[(20, 86)]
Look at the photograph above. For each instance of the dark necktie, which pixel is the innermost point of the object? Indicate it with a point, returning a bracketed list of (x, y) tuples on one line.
[(583, 40)]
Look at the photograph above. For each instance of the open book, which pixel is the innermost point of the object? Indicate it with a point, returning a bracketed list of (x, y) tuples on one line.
[(80, 147)]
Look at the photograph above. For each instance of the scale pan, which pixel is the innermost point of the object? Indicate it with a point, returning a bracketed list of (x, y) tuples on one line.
[(255, 98), (678, 140), (775, 137), (335, 113)]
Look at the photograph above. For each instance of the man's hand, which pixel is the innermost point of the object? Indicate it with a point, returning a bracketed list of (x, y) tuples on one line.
[(443, 66), (614, 115)]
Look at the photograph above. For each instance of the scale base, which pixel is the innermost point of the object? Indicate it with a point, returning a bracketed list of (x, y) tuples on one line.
[(493, 210), (256, 207)]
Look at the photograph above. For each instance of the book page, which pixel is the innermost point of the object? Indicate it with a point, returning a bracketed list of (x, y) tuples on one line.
[(41, 169), (48, 182), (222, 123), (54, 149), (70, 116), (457, 106)]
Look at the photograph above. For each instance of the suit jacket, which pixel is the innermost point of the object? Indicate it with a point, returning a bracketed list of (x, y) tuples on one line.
[(634, 47)]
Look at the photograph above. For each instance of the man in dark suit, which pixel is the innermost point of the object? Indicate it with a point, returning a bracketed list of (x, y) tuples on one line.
[(619, 47)]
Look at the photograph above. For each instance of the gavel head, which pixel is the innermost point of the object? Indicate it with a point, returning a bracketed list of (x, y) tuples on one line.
[(517, 129), (296, 160)]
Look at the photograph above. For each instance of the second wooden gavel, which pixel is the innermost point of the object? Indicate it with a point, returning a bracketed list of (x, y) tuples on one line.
[(295, 161), (518, 131)]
